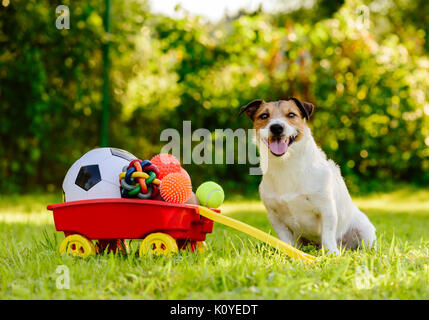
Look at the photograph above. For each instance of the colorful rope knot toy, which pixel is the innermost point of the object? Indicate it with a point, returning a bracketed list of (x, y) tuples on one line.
[(139, 180)]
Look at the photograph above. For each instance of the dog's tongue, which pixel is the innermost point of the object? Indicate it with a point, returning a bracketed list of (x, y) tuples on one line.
[(278, 146)]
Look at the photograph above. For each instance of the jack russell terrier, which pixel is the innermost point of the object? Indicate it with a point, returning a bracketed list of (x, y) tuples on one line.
[(304, 193)]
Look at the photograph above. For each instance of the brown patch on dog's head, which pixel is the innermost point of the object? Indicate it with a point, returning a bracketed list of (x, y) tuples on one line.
[(305, 109), (293, 116), (293, 110), (284, 119), (264, 114)]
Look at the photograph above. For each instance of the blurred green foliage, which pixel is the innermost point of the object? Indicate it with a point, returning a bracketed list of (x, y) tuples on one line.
[(370, 86)]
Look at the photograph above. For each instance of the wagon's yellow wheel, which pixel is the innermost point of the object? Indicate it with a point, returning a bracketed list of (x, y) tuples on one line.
[(78, 246), (159, 244)]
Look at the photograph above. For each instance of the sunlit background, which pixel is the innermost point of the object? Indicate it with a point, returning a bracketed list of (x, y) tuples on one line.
[(363, 64), (214, 10)]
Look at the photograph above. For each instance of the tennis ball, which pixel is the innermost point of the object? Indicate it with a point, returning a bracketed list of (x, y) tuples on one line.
[(210, 194)]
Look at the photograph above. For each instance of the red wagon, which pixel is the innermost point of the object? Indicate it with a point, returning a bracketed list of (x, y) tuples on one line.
[(164, 227)]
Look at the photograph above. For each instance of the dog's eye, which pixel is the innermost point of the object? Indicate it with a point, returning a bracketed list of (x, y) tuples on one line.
[(264, 116), (291, 115)]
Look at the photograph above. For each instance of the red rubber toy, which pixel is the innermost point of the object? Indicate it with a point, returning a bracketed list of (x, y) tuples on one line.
[(166, 163), (176, 188)]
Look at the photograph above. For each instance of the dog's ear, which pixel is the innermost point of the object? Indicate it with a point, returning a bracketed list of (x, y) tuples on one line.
[(306, 108), (309, 108), (251, 108)]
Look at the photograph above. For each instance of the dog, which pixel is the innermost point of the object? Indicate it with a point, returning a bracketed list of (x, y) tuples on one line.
[(303, 192)]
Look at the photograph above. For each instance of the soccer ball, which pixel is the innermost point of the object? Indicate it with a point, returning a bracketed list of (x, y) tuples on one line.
[(96, 175)]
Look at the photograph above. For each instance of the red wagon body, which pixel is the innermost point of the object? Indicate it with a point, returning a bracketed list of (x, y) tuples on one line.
[(130, 219)]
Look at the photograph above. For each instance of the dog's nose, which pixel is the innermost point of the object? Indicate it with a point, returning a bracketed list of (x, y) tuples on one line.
[(276, 129)]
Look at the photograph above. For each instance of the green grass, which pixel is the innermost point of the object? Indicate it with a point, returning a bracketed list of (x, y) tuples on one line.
[(235, 267)]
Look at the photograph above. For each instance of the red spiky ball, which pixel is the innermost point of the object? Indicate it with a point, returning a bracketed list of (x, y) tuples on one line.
[(166, 163), (176, 188)]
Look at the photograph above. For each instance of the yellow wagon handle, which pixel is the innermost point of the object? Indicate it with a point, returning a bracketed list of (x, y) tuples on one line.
[(258, 234)]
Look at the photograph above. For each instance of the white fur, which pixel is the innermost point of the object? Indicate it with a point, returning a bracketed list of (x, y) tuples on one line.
[(306, 197)]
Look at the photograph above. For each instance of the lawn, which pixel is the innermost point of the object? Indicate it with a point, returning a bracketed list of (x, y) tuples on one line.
[(234, 267)]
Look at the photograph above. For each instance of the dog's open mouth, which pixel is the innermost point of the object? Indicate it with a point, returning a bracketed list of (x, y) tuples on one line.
[(279, 145)]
